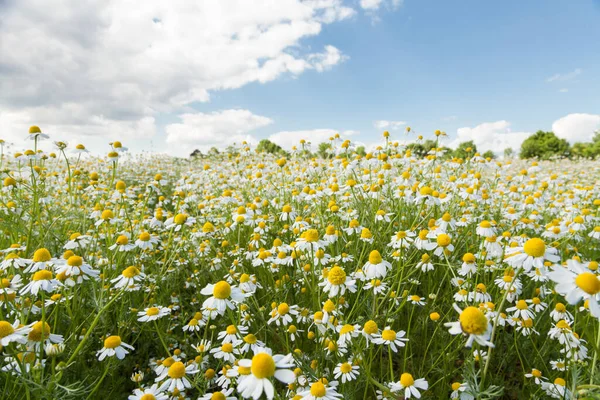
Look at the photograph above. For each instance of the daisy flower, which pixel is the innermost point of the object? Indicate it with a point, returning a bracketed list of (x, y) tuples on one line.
[(41, 280), (376, 267), (282, 314), (409, 385), (175, 377), (391, 338), (219, 395), (223, 296), (337, 282), (13, 333), (532, 255), (262, 367), (113, 346), (576, 283), (129, 278), (320, 391), (146, 241), (474, 323), (346, 371), (150, 393), (153, 313)]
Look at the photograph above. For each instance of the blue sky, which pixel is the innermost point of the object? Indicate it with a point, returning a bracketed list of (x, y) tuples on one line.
[(489, 71)]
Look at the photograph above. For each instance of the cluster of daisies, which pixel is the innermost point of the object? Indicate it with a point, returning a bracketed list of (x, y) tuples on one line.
[(245, 275)]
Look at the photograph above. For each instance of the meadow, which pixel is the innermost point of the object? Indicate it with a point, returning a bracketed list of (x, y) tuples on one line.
[(250, 275)]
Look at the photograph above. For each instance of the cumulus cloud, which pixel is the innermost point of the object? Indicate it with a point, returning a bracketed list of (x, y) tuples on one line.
[(566, 76), (288, 139), (495, 136), (121, 62), (219, 129), (577, 127), (389, 125), (374, 5)]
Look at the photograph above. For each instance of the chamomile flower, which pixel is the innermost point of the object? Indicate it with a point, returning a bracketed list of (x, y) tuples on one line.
[(409, 385), (13, 333), (347, 371), (321, 391), (113, 346), (576, 283), (474, 323), (376, 267), (153, 313), (41, 280), (129, 279), (148, 393), (531, 255), (262, 367), (389, 337), (175, 377), (223, 297)]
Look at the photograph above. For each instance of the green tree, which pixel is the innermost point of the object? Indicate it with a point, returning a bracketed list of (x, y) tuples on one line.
[(322, 151), (465, 150), (267, 146), (361, 151), (489, 154), (509, 152), (544, 145)]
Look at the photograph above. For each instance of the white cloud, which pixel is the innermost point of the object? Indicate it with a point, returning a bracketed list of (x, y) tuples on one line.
[(124, 61), (288, 139), (563, 90), (577, 127), (219, 129), (374, 5), (566, 76), (495, 136), (389, 125)]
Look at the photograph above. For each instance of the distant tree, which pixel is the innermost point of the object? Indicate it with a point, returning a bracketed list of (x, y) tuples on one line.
[(196, 154), (323, 150), (465, 150), (420, 150), (587, 149), (508, 152), (267, 146), (489, 154), (544, 145), (213, 151), (361, 151)]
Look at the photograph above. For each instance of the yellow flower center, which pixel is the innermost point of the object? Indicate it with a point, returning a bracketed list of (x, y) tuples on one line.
[(263, 366), (180, 219), (443, 240), (588, 282), (107, 214), (473, 321), (177, 370), (388, 335), (535, 247), (5, 329), (455, 386), (217, 396), (345, 368), (231, 330), (148, 396), (112, 342), (536, 372), (227, 348), (485, 224), (34, 129), (250, 338), (222, 290), (42, 275), (75, 261), (244, 278), (560, 307), (41, 255), (130, 272), (370, 327), (317, 389), (311, 235), (469, 258), (122, 240), (329, 306), (406, 379), (144, 236), (521, 305), (375, 257), (560, 382), (337, 276), (346, 329), (283, 309), (152, 311)]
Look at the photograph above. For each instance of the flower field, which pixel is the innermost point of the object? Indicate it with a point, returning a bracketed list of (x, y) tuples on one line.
[(246, 275)]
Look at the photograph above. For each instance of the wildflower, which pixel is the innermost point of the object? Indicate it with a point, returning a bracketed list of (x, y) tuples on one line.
[(337, 282), (321, 391), (376, 267), (10, 333), (113, 346), (149, 393), (129, 278), (474, 323), (41, 280), (262, 367), (531, 255), (346, 371), (175, 377), (223, 296), (575, 283), (391, 338), (153, 313), (409, 385)]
